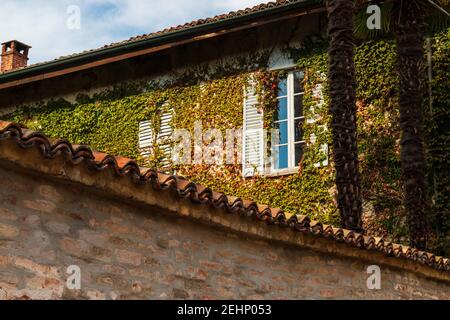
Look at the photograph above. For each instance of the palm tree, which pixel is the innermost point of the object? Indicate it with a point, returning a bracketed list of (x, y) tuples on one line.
[(408, 20), (409, 27), (342, 87)]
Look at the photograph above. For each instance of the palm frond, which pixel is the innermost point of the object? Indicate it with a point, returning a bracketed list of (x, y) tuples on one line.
[(437, 20)]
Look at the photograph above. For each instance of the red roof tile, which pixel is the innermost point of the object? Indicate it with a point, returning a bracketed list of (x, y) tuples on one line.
[(201, 194)]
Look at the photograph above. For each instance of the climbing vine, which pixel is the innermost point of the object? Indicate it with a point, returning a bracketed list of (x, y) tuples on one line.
[(437, 130), (109, 121)]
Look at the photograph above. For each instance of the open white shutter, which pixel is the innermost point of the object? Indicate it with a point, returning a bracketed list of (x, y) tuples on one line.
[(253, 134), (323, 149), (318, 95)]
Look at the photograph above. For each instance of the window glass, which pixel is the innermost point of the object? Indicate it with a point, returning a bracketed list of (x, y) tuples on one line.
[(283, 128), (283, 162), (298, 78), (282, 87), (288, 150), (298, 106), (282, 109), (298, 153), (298, 128)]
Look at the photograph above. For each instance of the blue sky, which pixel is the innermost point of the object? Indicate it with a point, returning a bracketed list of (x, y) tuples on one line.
[(43, 23)]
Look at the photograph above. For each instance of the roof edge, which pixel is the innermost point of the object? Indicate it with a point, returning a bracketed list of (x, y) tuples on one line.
[(158, 39)]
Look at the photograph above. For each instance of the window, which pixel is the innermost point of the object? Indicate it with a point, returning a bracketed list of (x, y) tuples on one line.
[(288, 141), (287, 149)]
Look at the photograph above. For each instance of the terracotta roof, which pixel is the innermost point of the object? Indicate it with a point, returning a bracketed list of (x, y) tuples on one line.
[(198, 194), (200, 22)]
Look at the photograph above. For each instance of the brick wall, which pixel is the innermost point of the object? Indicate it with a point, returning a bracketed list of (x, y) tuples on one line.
[(128, 251), (11, 61)]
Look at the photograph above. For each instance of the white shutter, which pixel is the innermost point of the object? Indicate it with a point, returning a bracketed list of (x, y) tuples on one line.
[(318, 95), (163, 139), (323, 148), (165, 135), (145, 138), (253, 134)]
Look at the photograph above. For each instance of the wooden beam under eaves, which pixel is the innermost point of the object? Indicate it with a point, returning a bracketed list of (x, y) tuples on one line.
[(146, 51)]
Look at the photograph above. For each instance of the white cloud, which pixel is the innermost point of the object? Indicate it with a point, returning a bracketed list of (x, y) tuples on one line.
[(42, 23)]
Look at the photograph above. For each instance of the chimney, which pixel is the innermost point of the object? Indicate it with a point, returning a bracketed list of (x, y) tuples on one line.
[(14, 55)]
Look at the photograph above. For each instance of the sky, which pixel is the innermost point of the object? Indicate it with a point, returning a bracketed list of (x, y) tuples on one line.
[(60, 27)]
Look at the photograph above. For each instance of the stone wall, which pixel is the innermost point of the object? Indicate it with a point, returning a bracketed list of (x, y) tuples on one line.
[(134, 251)]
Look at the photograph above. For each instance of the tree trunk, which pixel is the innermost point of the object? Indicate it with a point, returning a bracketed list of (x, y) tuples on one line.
[(409, 26), (342, 84)]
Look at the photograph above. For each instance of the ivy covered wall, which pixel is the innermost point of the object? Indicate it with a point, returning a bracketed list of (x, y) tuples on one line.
[(108, 121)]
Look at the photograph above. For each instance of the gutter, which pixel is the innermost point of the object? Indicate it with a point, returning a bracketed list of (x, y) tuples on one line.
[(157, 40)]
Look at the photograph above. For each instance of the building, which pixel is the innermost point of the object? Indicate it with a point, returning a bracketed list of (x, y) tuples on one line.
[(252, 70)]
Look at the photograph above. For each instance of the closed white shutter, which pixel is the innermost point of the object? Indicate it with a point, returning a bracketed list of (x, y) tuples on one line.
[(253, 134), (145, 138), (165, 135), (147, 141)]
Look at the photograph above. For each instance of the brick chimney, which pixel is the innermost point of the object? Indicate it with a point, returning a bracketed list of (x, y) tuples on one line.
[(14, 55)]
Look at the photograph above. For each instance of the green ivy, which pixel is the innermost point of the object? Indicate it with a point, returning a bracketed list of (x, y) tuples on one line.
[(437, 130), (108, 121)]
